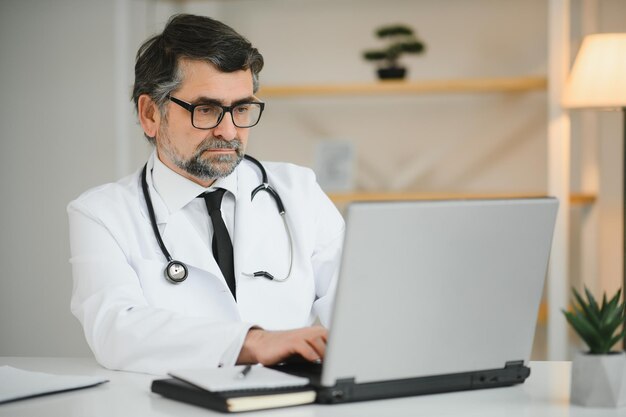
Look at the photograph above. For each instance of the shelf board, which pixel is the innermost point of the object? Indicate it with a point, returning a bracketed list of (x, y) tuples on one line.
[(470, 85), (343, 198)]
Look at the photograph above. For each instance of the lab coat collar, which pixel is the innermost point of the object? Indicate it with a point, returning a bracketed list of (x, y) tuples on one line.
[(178, 191)]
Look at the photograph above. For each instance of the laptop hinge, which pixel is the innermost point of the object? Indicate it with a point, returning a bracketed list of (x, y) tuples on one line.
[(513, 364)]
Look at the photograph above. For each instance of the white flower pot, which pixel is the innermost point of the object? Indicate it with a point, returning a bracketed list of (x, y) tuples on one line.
[(599, 380)]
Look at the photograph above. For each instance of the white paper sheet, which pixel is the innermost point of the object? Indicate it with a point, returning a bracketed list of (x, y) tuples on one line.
[(20, 384), (226, 379)]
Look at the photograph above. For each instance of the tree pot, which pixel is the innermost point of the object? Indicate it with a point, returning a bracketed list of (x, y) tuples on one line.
[(392, 73), (599, 380)]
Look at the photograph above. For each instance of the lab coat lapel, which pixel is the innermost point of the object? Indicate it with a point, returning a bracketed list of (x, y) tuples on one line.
[(185, 244), (181, 238)]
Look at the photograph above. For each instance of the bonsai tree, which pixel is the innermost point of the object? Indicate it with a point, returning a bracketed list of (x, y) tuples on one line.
[(400, 40), (597, 325)]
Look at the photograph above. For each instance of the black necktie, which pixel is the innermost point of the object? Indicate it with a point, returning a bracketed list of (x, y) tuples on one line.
[(222, 246)]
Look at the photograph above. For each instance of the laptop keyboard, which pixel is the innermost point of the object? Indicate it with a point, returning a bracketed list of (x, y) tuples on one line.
[(301, 367)]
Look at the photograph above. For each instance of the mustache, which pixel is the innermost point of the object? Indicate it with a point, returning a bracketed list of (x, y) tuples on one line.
[(214, 143)]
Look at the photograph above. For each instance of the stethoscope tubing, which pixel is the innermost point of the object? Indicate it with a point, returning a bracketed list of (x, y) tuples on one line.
[(176, 271)]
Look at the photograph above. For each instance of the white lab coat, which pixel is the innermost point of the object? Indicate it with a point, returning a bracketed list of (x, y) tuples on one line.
[(134, 319)]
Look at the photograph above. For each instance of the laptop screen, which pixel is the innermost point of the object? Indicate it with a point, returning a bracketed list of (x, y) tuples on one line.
[(438, 287)]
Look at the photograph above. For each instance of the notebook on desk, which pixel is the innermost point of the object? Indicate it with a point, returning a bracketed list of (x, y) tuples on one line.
[(226, 390), (435, 296)]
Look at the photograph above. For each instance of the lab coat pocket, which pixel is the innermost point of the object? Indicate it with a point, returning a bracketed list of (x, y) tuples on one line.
[(202, 294)]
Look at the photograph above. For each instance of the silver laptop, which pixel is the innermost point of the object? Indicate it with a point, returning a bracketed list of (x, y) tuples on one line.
[(436, 296)]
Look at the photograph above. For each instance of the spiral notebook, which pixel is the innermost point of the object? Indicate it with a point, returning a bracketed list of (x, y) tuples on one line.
[(222, 389)]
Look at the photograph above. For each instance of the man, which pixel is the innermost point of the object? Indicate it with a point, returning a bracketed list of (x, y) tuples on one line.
[(194, 95)]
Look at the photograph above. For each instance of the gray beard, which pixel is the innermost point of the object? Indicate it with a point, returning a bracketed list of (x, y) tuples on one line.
[(207, 168)]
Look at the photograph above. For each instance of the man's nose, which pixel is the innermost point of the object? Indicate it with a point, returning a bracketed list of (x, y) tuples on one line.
[(226, 129)]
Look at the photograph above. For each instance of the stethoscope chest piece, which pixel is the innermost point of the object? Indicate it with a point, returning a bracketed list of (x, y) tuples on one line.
[(176, 272)]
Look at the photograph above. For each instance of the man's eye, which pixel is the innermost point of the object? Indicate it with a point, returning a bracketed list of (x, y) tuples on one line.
[(207, 110), (242, 108)]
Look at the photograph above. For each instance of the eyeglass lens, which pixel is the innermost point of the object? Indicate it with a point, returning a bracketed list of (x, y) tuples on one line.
[(209, 115)]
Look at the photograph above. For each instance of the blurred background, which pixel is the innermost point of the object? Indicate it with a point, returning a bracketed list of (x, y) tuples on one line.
[(67, 124)]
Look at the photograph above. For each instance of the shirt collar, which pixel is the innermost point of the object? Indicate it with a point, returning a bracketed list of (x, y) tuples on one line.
[(178, 191)]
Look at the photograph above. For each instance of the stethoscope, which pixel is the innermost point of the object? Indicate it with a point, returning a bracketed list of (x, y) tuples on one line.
[(176, 271)]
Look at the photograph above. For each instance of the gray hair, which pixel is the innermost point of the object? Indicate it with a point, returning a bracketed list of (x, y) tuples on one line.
[(157, 65)]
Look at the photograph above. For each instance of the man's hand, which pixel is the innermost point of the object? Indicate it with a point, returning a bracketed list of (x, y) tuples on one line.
[(272, 347)]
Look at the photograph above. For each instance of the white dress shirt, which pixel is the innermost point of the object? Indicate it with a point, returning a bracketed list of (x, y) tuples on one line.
[(179, 193)]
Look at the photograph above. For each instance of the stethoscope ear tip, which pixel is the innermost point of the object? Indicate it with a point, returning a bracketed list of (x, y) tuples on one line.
[(257, 274)]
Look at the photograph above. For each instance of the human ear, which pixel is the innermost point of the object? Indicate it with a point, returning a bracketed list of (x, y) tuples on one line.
[(149, 115)]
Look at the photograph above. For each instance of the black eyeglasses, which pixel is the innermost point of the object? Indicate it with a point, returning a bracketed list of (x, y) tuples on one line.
[(209, 115)]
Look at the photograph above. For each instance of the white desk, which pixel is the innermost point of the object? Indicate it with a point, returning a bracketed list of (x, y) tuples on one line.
[(544, 394)]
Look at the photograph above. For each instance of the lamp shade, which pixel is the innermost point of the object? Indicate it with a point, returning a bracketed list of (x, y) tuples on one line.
[(598, 77)]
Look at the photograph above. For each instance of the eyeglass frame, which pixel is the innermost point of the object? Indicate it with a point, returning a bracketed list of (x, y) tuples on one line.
[(225, 109)]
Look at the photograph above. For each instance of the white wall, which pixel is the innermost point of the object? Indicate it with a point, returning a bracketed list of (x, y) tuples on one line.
[(56, 78), (66, 124)]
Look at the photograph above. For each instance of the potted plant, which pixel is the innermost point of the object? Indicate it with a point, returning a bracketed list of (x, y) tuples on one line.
[(400, 40), (599, 375)]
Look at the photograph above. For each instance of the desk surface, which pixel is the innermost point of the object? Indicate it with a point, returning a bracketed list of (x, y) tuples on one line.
[(545, 393)]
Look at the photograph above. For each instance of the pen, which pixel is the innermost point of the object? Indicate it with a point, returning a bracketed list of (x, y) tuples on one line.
[(244, 372)]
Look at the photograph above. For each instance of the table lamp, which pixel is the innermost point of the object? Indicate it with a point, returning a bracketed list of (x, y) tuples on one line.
[(598, 81)]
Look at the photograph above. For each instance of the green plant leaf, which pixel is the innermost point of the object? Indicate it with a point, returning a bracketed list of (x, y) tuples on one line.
[(597, 325), (612, 316), (614, 303), (615, 299), (610, 312), (592, 302), (593, 338), (616, 339), (412, 47), (393, 30), (585, 329), (594, 318), (613, 321), (375, 55)]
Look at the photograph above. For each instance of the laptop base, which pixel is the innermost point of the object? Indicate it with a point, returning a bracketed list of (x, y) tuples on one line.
[(346, 390)]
